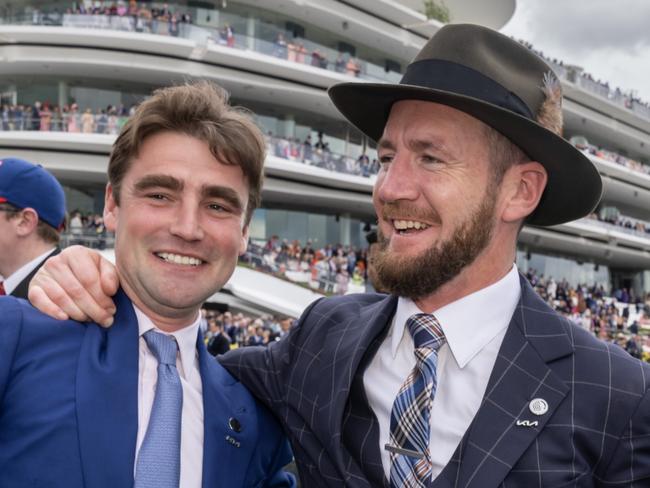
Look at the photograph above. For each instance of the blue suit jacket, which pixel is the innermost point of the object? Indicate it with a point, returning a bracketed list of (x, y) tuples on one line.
[(68, 408), (596, 432)]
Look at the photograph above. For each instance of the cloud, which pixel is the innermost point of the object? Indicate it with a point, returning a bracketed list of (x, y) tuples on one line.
[(588, 25), (610, 39)]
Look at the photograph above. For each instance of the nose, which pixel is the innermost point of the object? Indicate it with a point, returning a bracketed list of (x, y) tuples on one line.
[(398, 181), (187, 222)]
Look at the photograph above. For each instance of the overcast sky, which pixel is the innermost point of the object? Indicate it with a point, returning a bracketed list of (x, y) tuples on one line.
[(608, 38)]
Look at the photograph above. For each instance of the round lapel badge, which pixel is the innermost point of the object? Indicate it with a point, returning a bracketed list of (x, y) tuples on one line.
[(538, 406)]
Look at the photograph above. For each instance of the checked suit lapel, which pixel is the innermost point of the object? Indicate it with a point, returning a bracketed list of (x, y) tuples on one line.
[(350, 341), (107, 399), (504, 427)]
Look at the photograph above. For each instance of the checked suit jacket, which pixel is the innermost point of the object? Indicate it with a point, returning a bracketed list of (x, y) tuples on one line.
[(596, 432)]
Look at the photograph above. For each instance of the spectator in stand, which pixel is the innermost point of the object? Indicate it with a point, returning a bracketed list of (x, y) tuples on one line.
[(352, 67), (218, 343), (32, 208), (339, 64)]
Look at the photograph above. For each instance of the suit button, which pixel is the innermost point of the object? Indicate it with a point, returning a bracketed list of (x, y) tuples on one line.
[(234, 424)]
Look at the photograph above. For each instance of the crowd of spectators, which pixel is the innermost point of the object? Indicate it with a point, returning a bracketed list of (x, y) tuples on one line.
[(109, 120), (67, 118), (330, 269), (611, 156), (223, 331), (617, 317), (612, 216), (128, 16), (319, 154), (169, 20), (627, 99), (88, 230), (295, 50)]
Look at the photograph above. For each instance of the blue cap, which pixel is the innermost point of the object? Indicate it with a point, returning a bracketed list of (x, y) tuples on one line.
[(24, 184)]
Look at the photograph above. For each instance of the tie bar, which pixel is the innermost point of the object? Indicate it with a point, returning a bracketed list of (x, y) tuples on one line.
[(404, 452)]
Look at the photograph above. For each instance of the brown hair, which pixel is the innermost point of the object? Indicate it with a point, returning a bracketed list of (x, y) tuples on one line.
[(502, 153), (44, 231), (200, 110)]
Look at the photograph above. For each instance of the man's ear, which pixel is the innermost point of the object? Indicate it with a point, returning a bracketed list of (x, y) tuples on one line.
[(524, 185), (111, 209), (26, 222), (244, 240)]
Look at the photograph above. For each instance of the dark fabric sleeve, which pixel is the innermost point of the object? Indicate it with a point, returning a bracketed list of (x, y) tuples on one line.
[(630, 463), (265, 371)]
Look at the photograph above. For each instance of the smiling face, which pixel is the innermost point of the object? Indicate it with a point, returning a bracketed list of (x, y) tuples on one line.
[(179, 226), (435, 197)]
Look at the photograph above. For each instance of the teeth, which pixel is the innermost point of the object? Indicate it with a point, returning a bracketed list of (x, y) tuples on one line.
[(409, 224), (178, 259)]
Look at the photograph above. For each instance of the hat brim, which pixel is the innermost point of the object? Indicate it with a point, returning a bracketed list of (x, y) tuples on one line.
[(574, 185)]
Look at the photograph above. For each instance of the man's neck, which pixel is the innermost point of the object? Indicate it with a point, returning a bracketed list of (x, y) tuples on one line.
[(22, 255), (484, 271), (165, 318)]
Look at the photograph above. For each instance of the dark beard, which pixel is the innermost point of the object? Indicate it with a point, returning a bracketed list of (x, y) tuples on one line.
[(420, 276)]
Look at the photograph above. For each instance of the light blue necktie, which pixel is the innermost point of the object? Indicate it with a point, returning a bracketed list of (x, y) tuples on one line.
[(159, 459)]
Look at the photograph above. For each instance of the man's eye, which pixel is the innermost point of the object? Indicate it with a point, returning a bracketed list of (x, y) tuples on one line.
[(217, 207), (429, 159), (385, 159), (157, 196)]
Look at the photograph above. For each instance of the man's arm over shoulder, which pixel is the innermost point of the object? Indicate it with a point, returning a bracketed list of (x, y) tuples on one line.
[(11, 318), (264, 370)]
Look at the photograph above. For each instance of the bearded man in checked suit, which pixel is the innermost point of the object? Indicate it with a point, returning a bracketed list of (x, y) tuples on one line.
[(514, 395)]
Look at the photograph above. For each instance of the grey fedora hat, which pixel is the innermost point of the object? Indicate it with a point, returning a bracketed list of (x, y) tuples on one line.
[(505, 85)]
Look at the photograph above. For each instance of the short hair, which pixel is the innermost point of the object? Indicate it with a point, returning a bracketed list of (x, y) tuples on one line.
[(502, 153), (200, 110), (44, 231)]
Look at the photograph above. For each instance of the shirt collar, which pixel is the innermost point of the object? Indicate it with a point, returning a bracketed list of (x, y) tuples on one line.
[(469, 323), (185, 338), (12, 281)]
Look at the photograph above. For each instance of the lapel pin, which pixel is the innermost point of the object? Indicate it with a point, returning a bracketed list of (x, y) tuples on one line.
[(538, 406), (234, 424), (232, 441)]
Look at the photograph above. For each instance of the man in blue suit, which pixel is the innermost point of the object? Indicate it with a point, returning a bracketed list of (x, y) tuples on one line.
[(461, 377), (143, 404)]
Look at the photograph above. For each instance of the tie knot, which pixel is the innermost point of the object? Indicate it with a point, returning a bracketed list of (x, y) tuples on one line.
[(425, 331), (162, 346)]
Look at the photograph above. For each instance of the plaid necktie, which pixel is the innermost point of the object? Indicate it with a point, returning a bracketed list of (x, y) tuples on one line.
[(159, 459), (410, 460)]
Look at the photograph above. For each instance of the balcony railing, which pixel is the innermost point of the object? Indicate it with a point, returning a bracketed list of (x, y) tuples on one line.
[(88, 123), (298, 50)]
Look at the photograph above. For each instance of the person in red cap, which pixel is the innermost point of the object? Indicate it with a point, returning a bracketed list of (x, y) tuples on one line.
[(33, 206)]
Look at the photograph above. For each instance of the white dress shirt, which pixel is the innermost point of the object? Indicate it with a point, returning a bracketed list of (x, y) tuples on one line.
[(474, 327), (192, 414), (12, 281)]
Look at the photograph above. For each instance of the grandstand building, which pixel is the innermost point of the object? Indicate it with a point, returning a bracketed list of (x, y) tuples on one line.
[(71, 71)]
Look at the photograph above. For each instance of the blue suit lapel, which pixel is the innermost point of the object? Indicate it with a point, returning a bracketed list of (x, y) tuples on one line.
[(107, 399), (223, 448), (494, 442)]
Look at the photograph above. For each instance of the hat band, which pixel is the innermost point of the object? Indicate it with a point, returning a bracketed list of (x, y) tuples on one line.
[(448, 76)]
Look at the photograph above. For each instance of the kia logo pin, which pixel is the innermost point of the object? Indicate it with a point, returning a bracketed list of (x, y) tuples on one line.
[(537, 406)]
